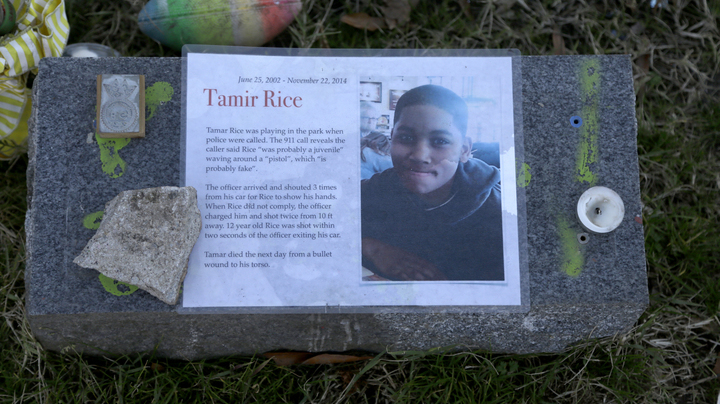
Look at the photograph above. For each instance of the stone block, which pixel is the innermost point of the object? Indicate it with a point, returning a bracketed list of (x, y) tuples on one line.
[(576, 291)]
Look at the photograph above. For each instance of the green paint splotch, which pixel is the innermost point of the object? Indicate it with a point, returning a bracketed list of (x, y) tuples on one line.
[(587, 154), (117, 288), (92, 221), (156, 95), (524, 177), (572, 258), (112, 164)]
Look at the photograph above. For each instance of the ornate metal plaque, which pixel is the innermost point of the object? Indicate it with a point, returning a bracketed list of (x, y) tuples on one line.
[(121, 106)]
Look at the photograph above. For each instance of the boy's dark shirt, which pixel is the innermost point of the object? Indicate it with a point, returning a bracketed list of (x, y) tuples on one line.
[(463, 238)]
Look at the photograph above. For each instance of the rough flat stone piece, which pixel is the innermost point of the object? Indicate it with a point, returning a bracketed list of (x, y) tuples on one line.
[(145, 239)]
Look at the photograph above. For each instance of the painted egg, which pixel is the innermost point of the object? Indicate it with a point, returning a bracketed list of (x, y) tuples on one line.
[(8, 17), (175, 23)]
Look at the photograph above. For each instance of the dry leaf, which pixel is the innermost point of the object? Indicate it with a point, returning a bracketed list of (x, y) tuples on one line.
[(288, 358), (156, 366), (347, 378), (328, 359), (363, 21), (637, 28), (558, 41), (717, 366), (309, 358), (632, 5), (465, 5), (643, 62), (397, 12)]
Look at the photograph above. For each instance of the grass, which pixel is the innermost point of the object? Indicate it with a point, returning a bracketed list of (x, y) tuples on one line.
[(668, 357)]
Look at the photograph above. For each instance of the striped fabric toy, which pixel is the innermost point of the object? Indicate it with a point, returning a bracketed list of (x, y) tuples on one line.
[(41, 30)]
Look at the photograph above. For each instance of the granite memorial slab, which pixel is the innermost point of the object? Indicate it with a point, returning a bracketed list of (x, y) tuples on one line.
[(578, 131)]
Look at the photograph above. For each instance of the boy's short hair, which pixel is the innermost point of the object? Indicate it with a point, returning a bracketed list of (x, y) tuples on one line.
[(439, 97)]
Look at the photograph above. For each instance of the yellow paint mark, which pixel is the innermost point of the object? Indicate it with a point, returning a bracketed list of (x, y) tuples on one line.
[(92, 221), (111, 285), (156, 95), (572, 257), (112, 164), (587, 154), (524, 177)]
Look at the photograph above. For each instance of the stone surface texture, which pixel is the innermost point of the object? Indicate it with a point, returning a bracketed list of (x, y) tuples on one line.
[(604, 294), (145, 239)]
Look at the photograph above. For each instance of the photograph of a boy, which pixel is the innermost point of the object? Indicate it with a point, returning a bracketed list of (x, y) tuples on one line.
[(436, 215)]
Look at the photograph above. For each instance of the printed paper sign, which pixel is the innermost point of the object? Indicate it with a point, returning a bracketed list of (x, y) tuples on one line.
[(351, 181)]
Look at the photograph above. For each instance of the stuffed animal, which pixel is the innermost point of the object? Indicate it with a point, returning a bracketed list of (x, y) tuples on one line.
[(41, 29)]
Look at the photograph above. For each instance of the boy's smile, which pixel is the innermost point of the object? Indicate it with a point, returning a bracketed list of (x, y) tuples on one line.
[(426, 150)]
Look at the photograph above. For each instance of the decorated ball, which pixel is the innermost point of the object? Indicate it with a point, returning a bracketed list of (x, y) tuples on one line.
[(175, 23)]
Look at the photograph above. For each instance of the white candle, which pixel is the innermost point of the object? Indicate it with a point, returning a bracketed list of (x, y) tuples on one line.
[(84, 53), (600, 210), (89, 50)]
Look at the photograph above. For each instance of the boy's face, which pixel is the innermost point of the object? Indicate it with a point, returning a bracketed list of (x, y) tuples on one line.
[(426, 150)]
